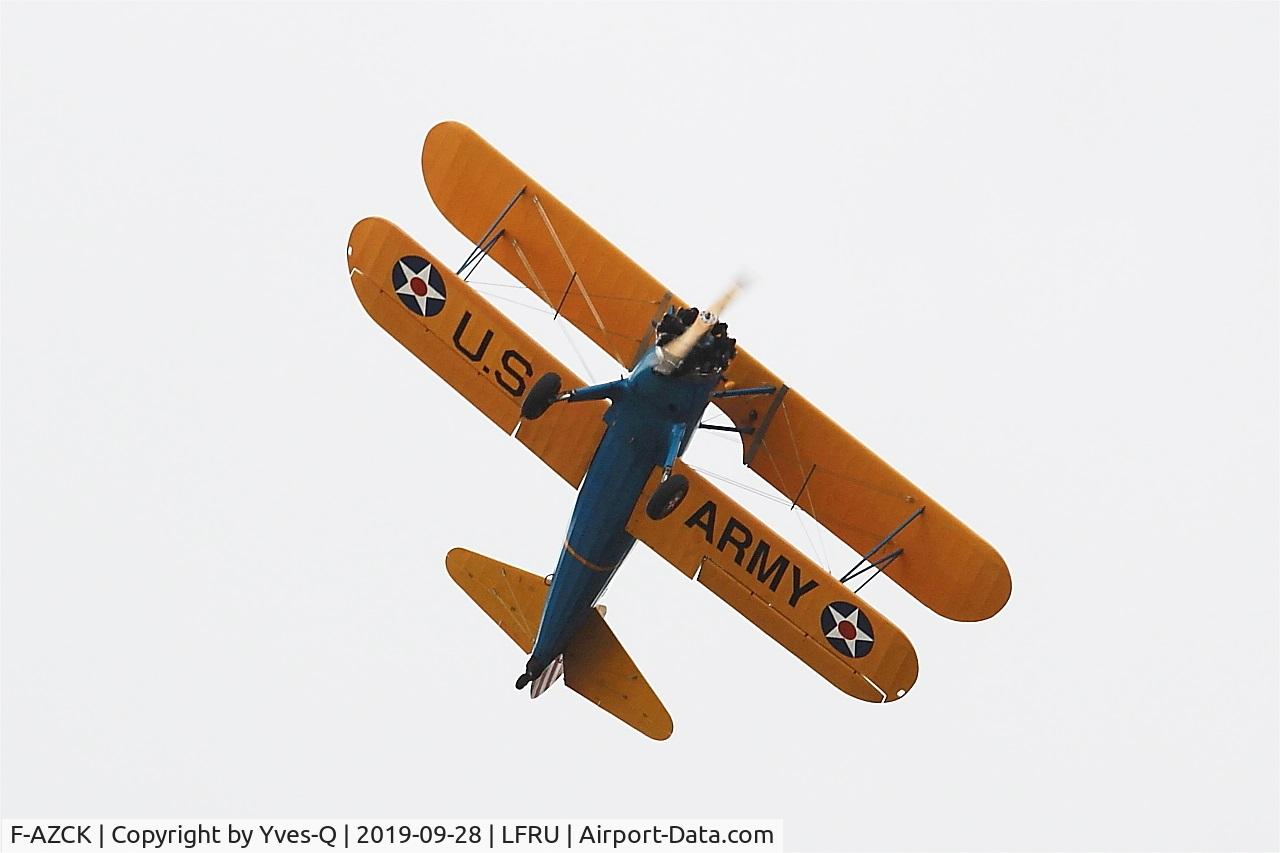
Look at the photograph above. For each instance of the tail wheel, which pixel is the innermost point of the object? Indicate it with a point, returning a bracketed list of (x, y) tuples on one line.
[(667, 497), (540, 396)]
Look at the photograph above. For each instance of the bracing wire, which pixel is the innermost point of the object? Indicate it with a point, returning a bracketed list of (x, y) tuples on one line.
[(713, 475), (541, 310)]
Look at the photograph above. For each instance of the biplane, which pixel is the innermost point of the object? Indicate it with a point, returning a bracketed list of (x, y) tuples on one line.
[(620, 445)]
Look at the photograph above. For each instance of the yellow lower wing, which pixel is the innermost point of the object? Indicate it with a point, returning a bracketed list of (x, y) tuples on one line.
[(717, 542), (596, 666), (469, 343)]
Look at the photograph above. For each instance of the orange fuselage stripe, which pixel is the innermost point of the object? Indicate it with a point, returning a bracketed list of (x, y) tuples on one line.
[(595, 567)]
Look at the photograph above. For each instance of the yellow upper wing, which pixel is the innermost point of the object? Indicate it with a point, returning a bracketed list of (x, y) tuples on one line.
[(860, 498), (802, 452), (471, 345), (714, 540), (543, 243)]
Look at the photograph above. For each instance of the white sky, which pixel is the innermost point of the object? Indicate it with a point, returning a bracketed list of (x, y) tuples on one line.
[(1026, 252)]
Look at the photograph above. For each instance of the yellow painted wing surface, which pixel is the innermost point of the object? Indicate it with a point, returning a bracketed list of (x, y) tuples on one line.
[(606, 295), (596, 666), (610, 299), (860, 498), (469, 343), (751, 568)]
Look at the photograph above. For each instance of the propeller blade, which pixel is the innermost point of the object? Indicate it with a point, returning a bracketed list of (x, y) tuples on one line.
[(718, 307), (683, 345)]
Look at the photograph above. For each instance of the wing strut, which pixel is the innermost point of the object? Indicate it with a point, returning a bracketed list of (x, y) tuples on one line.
[(883, 561), (482, 248), (758, 438), (745, 392), (651, 336), (878, 565), (529, 269), (573, 271)]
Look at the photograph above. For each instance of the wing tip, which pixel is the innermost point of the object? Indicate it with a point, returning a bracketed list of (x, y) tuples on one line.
[(998, 591), (663, 731), (362, 233), (449, 126), (456, 560)]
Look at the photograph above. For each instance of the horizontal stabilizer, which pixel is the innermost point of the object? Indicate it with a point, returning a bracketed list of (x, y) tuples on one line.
[(594, 665), (512, 598), (598, 668)]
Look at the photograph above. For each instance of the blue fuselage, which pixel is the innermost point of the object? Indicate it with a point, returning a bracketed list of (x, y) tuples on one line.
[(651, 419)]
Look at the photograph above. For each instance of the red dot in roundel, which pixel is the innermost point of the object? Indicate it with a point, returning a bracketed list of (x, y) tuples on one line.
[(847, 629), (418, 286)]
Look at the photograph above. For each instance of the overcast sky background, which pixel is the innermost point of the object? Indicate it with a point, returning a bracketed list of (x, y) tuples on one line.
[(1028, 253)]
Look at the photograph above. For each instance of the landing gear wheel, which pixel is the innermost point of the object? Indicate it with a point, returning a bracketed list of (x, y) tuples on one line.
[(540, 396), (667, 497)]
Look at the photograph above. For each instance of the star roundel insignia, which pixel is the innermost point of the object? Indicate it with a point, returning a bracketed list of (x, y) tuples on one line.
[(419, 285), (847, 629)]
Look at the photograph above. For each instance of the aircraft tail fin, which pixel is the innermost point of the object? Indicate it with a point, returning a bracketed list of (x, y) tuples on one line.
[(594, 665)]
